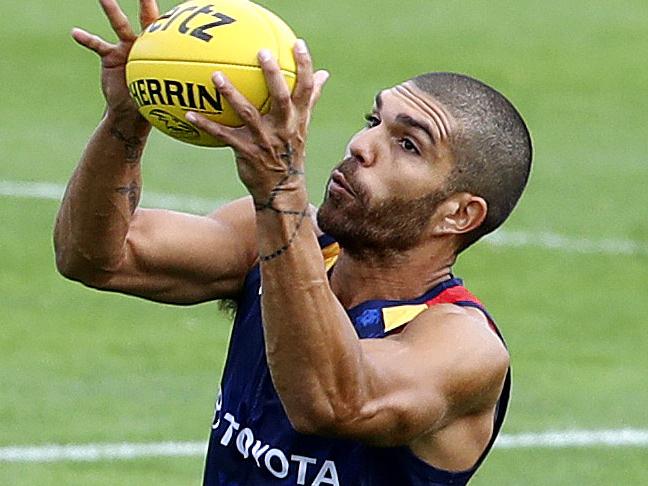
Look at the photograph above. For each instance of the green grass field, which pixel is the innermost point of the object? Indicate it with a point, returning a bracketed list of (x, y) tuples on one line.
[(79, 366)]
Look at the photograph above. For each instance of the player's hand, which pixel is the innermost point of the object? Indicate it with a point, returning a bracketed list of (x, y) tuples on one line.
[(114, 56), (270, 148)]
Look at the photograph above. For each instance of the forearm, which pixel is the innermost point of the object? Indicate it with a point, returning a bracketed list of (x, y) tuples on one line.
[(312, 349), (101, 197)]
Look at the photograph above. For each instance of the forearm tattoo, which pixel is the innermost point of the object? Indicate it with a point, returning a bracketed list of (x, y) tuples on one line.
[(280, 251), (269, 205), (291, 171), (132, 145), (132, 191)]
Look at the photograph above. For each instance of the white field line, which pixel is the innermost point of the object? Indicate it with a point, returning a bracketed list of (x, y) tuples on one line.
[(501, 238), (50, 191), (108, 452), (100, 452), (554, 241), (575, 438)]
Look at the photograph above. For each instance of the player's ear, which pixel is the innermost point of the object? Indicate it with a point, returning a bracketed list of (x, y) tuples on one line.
[(460, 213)]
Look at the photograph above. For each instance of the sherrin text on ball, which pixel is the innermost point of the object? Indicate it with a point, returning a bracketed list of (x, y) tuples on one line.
[(170, 66)]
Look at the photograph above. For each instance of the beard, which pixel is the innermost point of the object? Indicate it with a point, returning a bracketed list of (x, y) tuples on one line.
[(382, 229)]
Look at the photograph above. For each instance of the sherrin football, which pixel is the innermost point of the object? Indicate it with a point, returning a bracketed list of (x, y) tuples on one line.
[(171, 63)]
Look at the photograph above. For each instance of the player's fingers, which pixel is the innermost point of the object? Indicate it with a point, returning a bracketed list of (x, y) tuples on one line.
[(118, 20), (226, 134), (305, 81), (148, 12), (277, 88), (319, 80), (92, 42), (245, 110)]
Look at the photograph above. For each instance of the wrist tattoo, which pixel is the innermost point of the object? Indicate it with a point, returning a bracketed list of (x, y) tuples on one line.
[(132, 191), (280, 251), (287, 156), (291, 171), (132, 145)]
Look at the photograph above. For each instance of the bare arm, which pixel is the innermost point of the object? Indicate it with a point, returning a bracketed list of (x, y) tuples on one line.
[(172, 257), (102, 239), (101, 198)]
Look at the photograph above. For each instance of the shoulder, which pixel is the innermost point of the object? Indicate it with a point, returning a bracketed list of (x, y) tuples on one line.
[(240, 216), (237, 211), (475, 360)]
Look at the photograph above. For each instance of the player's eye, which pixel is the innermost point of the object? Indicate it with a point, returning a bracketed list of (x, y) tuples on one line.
[(408, 146), (372, 120)]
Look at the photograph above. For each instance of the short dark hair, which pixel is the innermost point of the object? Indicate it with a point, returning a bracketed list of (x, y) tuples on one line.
[(491, 146)]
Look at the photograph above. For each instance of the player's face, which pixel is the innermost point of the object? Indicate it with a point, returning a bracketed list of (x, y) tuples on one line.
[(382, 196)]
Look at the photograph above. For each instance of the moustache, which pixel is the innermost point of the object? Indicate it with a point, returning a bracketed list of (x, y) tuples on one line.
[(349, 168)]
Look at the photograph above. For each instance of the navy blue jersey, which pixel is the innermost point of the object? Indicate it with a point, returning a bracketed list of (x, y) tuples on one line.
[(253, 443)]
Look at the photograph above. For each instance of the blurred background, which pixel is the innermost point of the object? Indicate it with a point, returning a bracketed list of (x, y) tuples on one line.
[(567, 278)]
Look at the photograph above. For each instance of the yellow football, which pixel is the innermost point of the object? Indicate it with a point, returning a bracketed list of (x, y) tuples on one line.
[(171, 63)]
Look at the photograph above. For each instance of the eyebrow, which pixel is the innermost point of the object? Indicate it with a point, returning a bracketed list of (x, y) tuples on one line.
[(414, 123)]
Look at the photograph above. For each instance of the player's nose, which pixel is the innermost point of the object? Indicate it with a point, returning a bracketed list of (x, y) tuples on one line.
[(363, 148)]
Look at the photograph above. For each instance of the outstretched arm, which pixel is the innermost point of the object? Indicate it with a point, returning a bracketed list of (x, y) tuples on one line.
[(104, 191), (101, 237)]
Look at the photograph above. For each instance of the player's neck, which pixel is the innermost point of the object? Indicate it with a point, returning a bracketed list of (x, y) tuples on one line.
[(405, 276)]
